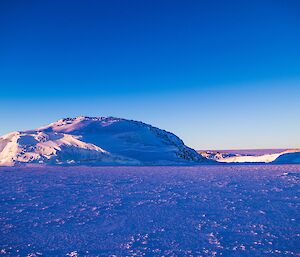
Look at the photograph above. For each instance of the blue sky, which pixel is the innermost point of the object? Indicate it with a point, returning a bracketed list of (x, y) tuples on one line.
[(220, 74)]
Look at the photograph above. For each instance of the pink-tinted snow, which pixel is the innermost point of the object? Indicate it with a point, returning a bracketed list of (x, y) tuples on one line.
[(150, 211)]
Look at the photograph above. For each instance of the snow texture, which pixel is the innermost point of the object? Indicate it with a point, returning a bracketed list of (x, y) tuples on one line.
[(208, 210)]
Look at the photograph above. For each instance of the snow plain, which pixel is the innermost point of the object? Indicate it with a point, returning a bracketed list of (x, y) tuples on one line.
[(213, 210)]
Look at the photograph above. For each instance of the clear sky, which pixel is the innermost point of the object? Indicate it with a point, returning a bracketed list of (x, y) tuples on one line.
[(219, 74)]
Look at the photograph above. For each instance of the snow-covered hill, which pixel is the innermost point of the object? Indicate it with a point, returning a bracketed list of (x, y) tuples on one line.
[(282, 157), (288, 157), (96, 141)]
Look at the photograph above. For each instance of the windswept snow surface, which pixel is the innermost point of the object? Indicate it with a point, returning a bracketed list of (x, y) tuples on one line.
[(214, 210), (96, 141)]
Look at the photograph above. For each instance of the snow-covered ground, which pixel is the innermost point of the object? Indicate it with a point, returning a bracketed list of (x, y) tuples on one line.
[(217, 210)]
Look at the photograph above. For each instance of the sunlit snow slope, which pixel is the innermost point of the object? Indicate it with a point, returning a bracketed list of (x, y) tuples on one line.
[(96, 141)]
